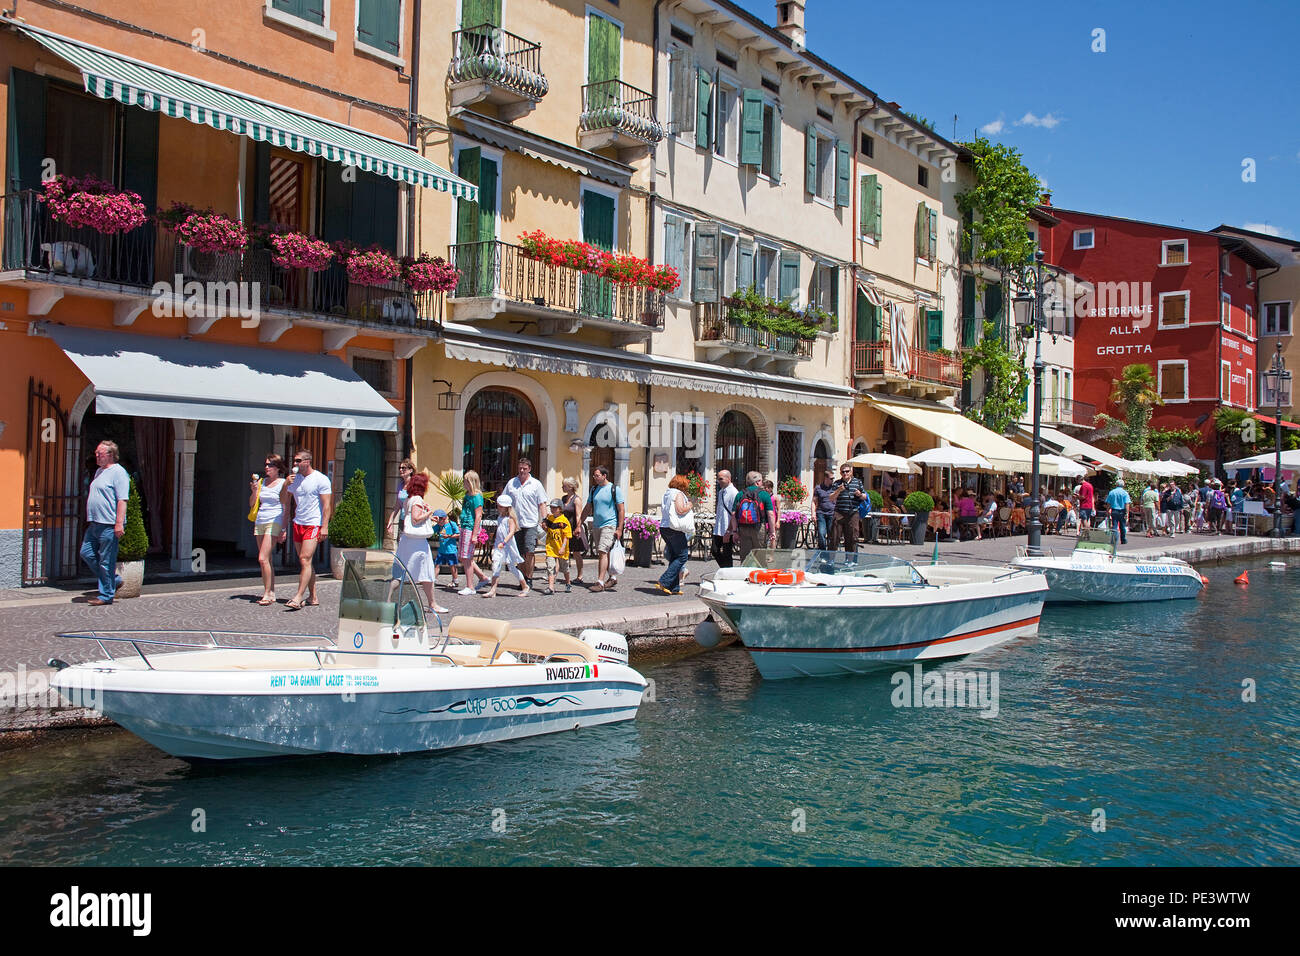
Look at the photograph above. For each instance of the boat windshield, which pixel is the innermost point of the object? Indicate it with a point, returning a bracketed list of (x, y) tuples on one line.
[(859, 564), (380, 590)]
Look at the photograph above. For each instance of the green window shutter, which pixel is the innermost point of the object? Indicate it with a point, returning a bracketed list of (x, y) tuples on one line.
[(703, 102), (311, 10), (788, 282), (842, 167), (683, 96), (933, 232), (475, 13), (993, 308), (744, 264), (867, 324), (810, 159), (866, 198), (968, 297), (776, 143), (832, 279), (603, 54), (468, 168), (934, 330), (26, 130), (598, 219), (751, 127), (261, 190), (922, 242), (704, 269), (876, 230), (379, 24), (487, 199)]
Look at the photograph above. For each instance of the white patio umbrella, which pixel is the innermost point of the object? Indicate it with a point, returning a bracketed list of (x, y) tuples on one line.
[(1066, 467), (880, 461), (1266, 459), (951, 456)]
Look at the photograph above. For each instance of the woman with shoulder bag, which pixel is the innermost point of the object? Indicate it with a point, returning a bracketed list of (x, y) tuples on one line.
[(266, 511), (676, 525), (413, 550)]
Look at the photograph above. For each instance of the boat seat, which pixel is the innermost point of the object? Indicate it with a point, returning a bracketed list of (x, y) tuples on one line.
[(489, 633), (544, 643)]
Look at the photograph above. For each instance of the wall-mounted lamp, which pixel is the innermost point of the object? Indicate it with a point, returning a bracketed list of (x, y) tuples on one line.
[(448, 401)]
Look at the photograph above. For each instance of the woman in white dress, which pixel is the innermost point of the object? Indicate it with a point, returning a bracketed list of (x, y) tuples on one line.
[(268, 522), (413, 549)]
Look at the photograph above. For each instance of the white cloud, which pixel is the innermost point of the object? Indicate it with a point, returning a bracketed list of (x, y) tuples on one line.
[(992, 129), (1269, 229), (1047, 122)]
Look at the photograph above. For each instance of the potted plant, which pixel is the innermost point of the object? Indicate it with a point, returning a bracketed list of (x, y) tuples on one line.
[(352, 525), (919, 504), (92, 204), (132, 547), (643, 529), (697, 488), (791, 522)]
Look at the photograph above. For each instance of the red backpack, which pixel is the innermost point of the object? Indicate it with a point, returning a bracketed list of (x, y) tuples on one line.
[(749, 510)]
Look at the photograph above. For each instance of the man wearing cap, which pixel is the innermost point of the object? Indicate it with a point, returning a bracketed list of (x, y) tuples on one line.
[(558, 533)]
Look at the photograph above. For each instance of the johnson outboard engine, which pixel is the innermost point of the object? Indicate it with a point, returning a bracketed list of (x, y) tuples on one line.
[(611, 647)]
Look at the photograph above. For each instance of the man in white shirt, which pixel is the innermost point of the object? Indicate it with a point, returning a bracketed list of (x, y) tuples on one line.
[(724, 521), (106, 520), (529, 496), (313, 499)]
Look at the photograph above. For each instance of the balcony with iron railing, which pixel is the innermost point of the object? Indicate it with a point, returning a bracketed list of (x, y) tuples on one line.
[(498, 277), (919, 370), (1068, 411), (147, 267), (725, 340), (617, 114), (492, 65)]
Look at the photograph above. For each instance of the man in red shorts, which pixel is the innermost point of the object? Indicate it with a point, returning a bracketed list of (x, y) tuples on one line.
[(313, 497)]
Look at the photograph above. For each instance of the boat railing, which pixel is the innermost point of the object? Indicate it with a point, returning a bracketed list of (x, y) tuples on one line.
[(1014, 572), (101, 637), (1024, 551)]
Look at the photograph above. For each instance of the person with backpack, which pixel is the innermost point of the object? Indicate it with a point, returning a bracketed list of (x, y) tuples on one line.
[(724, 521), (1174, 513), (1218, 508), (848, 493), (755, 519)]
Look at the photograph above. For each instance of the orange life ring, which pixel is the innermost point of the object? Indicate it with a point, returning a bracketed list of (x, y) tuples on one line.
[(772, 576)]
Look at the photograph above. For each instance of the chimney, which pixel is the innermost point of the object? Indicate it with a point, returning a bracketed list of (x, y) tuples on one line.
[(1047, 199), (789, 21)]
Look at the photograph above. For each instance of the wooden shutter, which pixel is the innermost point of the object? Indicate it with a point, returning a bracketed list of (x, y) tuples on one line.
[(487, 199), (876, 229), (868, 320), (810, 159), (968, 297), (474, 13), (379, 24), (468, 168), (788, 279), (866, 199), (598, 219), (26, 129), (705, 285), (679, 65), (776, 143), (674, 233), (751, 127), (603, 54), (842, 173), (703, 100), (933, 233), (744, 264), (934, 330), (922, 242)]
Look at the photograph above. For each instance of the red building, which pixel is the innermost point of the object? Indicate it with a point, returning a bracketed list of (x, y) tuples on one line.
[(1182, 301)]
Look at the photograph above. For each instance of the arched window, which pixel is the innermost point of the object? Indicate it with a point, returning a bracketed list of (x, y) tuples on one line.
[(737, 447), (602, 440), (501, 427), (821, 460)]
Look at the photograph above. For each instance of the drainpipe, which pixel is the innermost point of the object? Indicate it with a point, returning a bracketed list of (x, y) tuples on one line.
[(856, 196), (413, 139), (650, 247)]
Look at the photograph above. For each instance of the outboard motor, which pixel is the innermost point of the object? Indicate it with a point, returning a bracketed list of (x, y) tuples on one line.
[(611, 647)]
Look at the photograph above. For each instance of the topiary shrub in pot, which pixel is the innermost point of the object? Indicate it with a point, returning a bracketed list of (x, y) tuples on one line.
[(920, 505), (132, 547), (352, 525)]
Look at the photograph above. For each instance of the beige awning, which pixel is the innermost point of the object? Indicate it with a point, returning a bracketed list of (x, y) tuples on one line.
[(1004, 454)]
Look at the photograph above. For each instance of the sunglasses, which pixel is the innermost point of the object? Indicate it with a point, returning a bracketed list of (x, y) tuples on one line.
[(299, 461)]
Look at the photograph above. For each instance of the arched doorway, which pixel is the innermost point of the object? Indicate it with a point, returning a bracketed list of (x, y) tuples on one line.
[(737, 446), (501, 426), (821, 460), (601, 441)]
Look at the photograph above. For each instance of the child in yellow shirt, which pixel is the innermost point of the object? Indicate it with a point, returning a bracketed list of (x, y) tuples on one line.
[(558, 533)]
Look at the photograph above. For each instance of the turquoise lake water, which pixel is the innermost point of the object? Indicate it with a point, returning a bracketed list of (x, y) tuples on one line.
[(1131, 717)]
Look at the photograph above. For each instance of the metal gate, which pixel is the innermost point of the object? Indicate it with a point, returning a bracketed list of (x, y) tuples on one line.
[(51, 496)]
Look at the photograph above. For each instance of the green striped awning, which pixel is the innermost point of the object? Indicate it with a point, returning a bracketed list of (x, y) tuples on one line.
[(114, 77)]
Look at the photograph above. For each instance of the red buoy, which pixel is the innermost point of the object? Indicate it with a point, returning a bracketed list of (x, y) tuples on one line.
[(1244, 578), (1205, 581)]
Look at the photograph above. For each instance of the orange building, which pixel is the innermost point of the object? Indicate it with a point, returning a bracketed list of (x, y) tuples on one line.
[(196, 358)]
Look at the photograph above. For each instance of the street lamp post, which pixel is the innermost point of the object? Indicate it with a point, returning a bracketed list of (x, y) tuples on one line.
[(1275, 377), (1028, 310)]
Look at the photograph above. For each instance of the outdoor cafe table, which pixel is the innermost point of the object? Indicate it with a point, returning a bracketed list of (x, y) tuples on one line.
[(940, 521), (886, 516)]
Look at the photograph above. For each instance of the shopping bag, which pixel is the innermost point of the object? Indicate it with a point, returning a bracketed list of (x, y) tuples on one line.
[(617, 559)]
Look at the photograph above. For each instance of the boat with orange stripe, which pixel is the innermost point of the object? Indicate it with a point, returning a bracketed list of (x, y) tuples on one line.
[(822, 613)]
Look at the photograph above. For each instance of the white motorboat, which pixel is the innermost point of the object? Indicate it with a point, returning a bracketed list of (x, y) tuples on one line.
[(820, 613), (1095, 572), (385, 685)]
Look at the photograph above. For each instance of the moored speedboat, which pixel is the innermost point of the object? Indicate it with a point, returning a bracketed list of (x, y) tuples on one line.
[(385, 685), (821, 613), (1095, 572)]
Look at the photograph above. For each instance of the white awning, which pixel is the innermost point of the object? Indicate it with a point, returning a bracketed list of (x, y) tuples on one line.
[(157, 377), (468, 344), (1071, 447), (1004, 454)]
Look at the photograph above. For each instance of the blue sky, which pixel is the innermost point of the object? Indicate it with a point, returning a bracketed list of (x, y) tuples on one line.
[(1157, 127)]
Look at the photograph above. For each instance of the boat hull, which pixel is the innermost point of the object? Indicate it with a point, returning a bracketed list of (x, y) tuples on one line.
[(1117, 583), (268, 714), (793, 639)]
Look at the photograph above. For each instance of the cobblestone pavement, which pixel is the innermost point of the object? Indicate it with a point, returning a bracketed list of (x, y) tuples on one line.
[(30, 619)]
